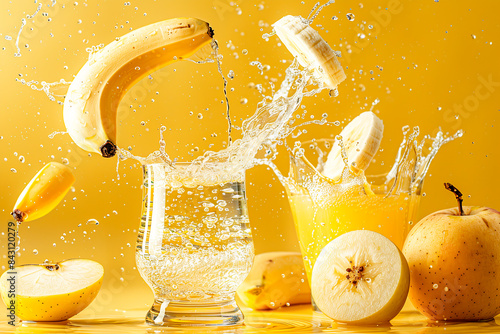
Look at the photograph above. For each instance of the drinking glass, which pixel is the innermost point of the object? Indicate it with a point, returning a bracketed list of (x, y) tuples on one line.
[(194, 246), (323, 208)]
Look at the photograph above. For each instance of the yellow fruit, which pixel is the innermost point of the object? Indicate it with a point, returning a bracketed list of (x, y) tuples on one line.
[(310, 49), (361, 139), (454, 264), (52, 292), (276, 279), (93, 97), (360, 278), (42, 194)]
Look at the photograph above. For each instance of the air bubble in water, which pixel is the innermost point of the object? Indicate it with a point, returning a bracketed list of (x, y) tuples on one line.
[(21, 159), (200, 116), (13, 170), (35, 251), (244, 100), (350, 16), (230, 75), (435, 286)]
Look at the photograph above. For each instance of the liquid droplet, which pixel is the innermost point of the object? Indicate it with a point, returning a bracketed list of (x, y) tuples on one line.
[(350, 16), (92, 221)]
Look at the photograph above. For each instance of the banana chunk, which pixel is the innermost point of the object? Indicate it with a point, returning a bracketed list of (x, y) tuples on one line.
[(276, 279), (360, 277), (92, 100), (361, 139), (42, 194), (310, 49)]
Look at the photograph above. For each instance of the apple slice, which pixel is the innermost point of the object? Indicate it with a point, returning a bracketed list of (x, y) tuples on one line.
[(53, 292), (360, 278)]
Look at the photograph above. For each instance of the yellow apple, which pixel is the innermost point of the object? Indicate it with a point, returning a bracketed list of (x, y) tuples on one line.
[(454, 260), (51, 292)]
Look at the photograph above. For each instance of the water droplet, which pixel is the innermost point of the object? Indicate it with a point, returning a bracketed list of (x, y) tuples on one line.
[(230, 75), (35, 251), (435, 286), (13, 170), (335, 18), (92, 221), (473, 36), (446, 288), (200, 116), (21, 159), (244, 51), (350, 16), (244, 100)]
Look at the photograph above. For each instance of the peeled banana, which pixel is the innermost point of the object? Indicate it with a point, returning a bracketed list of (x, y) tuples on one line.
[(42, 194), (92, 99), (276, 279), (310, 49), (361, 139)]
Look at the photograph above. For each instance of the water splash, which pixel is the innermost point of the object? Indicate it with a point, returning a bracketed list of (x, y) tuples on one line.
[(53, 90), (23, 23), (218, 58), (314, 13)]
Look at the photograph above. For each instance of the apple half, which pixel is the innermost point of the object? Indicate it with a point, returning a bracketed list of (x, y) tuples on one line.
[(52, 292)]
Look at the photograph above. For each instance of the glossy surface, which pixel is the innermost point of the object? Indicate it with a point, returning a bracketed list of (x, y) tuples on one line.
[(292, 319)]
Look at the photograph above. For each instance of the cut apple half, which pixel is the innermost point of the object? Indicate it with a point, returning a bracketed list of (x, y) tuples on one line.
[(360, 278), (53, 292)]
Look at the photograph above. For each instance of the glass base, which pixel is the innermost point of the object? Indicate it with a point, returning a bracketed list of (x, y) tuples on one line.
[(192, 314)]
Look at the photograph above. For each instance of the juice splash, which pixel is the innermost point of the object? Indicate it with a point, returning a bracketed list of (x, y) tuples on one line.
[(324, 209)]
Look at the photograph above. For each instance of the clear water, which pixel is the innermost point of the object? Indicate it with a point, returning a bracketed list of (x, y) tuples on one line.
[(194, 242)]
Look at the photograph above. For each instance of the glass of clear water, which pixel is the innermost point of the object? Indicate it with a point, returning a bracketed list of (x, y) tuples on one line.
[(194, 246)]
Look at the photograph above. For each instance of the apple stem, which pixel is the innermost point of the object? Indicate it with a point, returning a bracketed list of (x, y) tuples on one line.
[(458, 196)]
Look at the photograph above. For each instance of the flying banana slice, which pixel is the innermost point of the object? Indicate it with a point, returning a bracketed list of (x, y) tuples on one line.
[(361, 139), (42, 194), (276, 279), (360, 278), (310, 49), (92, 99)]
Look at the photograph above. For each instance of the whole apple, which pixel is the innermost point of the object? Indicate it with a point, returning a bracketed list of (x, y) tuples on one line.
[(454, 260)]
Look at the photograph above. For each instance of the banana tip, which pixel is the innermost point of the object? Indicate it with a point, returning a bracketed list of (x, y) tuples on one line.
[(211, 32), (108, 150), (18, 215)]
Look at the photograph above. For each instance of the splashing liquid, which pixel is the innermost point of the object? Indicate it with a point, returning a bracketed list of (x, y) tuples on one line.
[(324, 208)]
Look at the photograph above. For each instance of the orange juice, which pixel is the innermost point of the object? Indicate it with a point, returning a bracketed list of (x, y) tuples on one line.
[(324, 209), (317, 225)]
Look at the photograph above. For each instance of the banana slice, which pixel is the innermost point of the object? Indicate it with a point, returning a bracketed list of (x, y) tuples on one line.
[(361, 139), (360, 277), (276, 279), (92, 100), (310, 49), (42, 194)]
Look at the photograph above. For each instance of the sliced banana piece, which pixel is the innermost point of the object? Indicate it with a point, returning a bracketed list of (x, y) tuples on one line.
[(310, 49), (360, 277), (361, 139)]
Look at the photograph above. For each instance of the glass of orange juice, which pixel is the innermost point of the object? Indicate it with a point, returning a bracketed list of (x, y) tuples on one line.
[(324, 208)]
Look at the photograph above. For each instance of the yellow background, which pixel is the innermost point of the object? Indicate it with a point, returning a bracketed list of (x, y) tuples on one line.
[(420, 59)]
